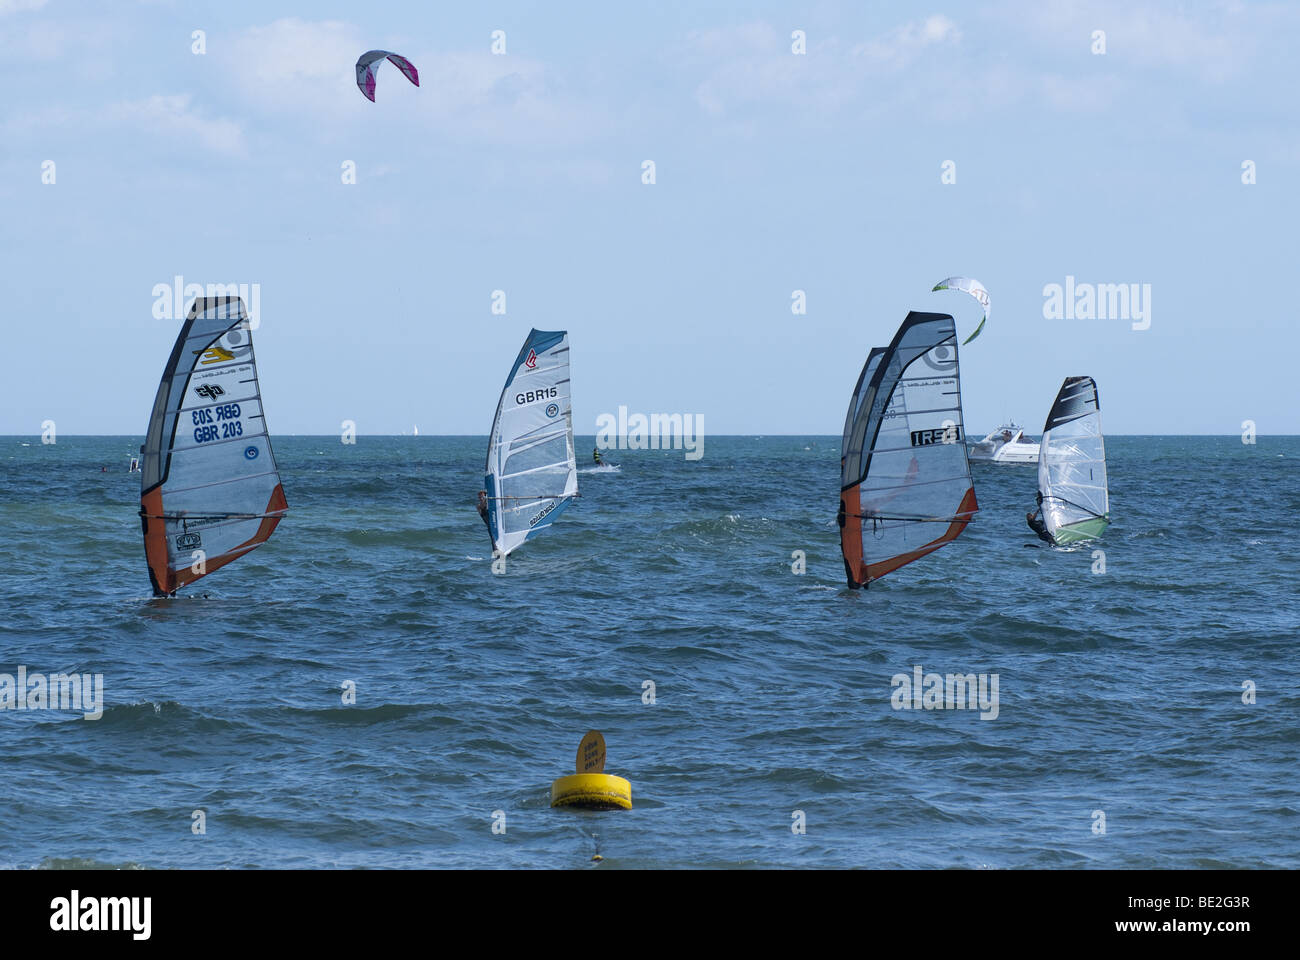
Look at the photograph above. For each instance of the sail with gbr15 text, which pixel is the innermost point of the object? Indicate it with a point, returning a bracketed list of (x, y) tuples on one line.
[(531, 474)]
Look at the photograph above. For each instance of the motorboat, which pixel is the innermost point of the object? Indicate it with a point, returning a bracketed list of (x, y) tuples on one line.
[(1006, 444)]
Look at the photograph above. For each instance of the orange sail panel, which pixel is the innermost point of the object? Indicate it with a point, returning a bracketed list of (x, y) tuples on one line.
[(905, 484), (210, 490)]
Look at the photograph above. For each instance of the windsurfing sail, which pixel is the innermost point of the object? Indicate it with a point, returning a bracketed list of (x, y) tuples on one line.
[(209, 488), (1072, 465), (531, 473), (905, 483), (371, 60), (855, 426)]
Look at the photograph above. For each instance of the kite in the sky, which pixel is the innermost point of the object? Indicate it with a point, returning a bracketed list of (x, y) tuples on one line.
[(368, 63), (975, 289)]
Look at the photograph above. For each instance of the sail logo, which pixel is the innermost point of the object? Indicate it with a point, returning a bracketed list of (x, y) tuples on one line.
[(210, 391), (543, 514), (658, 431), (531, 362), (188, 541), (216, 355), (250, 453), (1098, 301), (941, 358), (552, 410), (948, 434), (956, 691)]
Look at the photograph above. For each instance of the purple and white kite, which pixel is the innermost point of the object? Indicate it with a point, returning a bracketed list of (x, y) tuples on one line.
[(367, 64)]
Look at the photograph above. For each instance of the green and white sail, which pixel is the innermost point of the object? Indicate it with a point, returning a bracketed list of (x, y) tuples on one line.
[(531, 473), (1072, 465)]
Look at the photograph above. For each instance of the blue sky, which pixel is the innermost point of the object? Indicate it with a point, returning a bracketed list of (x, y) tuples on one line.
[(775, 172)]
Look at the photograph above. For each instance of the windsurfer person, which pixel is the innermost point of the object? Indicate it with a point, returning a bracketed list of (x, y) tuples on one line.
[(596, 457), (1037, 524), (483, 510)]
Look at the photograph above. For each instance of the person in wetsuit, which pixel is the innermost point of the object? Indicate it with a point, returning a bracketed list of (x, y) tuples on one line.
[(595, 456), (1037, 524), (483, 510)]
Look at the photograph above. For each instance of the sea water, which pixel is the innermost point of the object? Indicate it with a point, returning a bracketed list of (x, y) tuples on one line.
[(694, 612)]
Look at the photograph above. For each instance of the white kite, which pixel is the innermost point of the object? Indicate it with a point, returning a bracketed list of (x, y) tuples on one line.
[(975, 289)]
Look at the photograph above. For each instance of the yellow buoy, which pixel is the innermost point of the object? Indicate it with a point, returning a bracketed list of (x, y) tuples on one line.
[(601, 791), (590, 787)]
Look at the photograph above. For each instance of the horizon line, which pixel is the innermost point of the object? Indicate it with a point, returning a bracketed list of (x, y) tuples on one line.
[(452, 436)]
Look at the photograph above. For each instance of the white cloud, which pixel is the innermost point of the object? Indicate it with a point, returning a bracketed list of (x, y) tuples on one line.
[(496, 99), (37, 123), (294, 65), (1076, 95), (172, 118), (1214, 42), (308, 69), (70, 44), (19, 6), (720, 42), (902, 45), (1008, 55), (753, 64)]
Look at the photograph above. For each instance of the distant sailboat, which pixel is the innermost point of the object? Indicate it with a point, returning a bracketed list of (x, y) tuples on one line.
[(210, 490), (905, 483), (1072, 490), (415, 430), (531, 473)]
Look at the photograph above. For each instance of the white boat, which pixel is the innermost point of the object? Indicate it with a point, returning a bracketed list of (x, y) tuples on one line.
[(1006, 444)]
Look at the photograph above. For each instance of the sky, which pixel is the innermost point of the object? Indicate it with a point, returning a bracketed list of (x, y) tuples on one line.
[(221, 158)]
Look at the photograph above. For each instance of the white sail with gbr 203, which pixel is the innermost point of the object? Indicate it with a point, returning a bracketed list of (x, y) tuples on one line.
[(209, 487)]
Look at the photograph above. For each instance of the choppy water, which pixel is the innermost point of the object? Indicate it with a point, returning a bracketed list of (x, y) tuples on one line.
[(1119, 692)]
